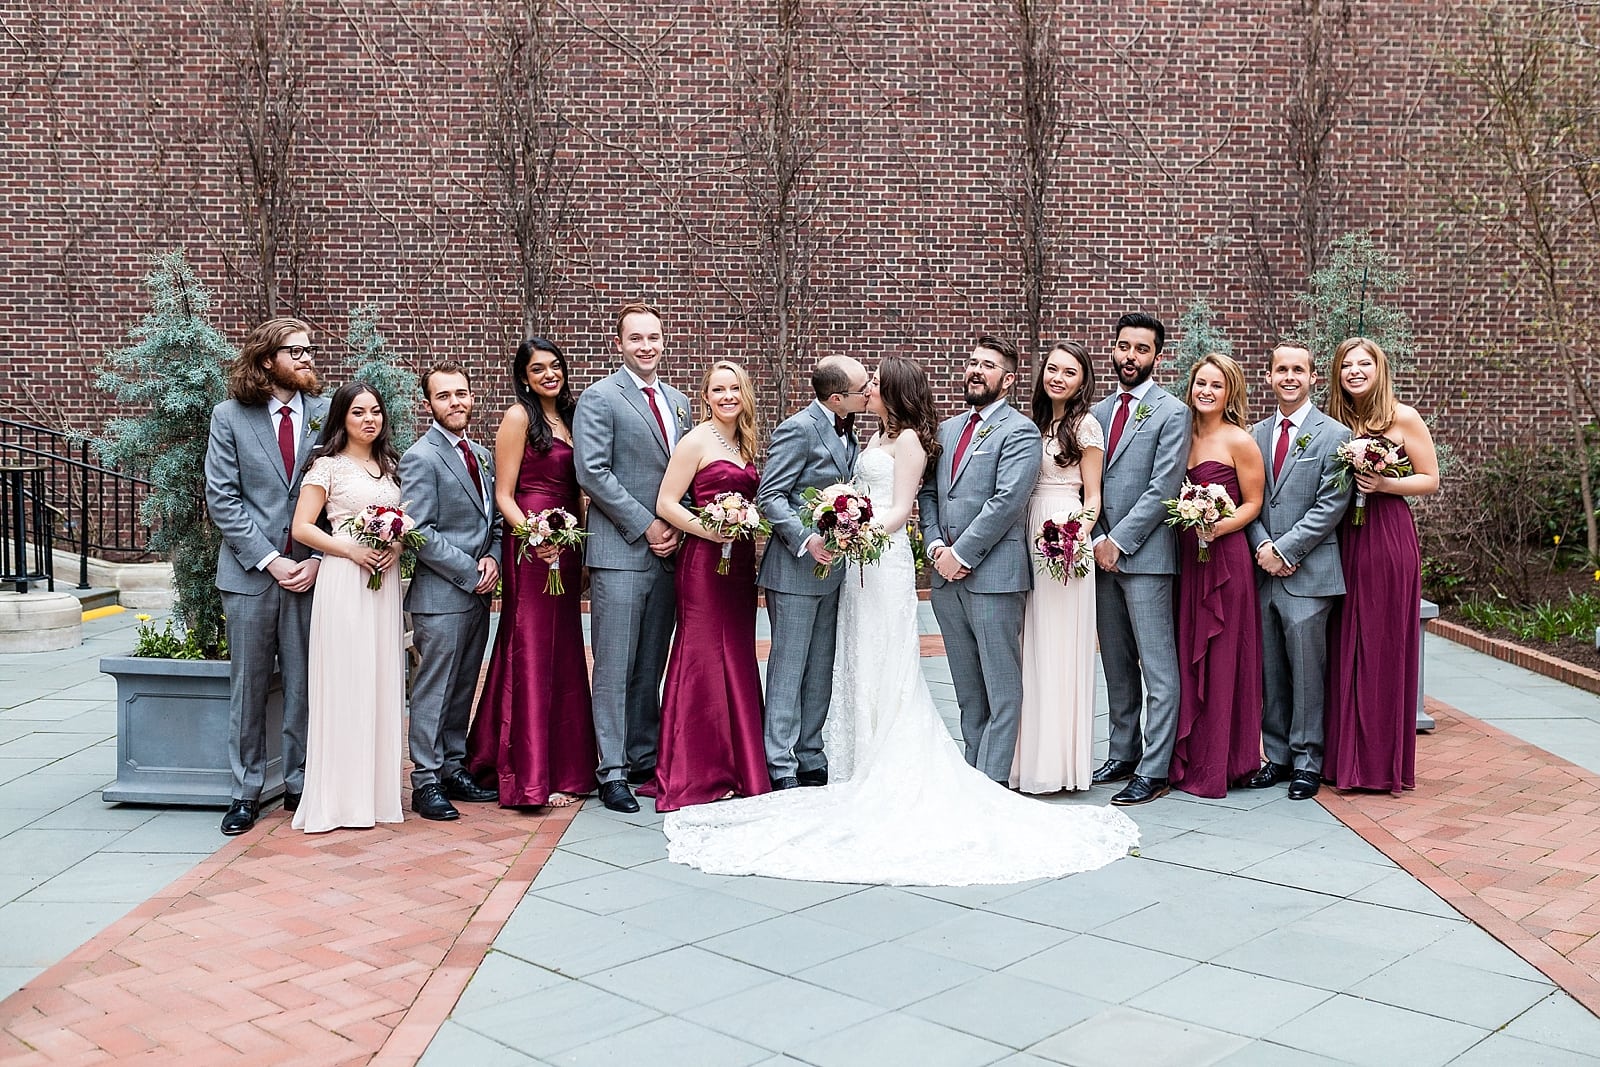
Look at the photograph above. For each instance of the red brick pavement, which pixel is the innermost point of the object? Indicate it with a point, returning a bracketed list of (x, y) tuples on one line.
[(288, 948), (1505, 833)]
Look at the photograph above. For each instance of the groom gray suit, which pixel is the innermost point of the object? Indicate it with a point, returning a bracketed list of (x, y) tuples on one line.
[(621, 457), (449, 619), (979, 511), (805, 451), (252, 500), (1133, 604), (1305, 502)]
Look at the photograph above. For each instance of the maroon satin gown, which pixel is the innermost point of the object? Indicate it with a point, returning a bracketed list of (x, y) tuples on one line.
[(711, 715), (1219, 656), (1371, 728), (533, 734)]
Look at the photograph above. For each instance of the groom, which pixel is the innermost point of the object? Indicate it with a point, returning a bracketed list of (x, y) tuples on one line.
[(973, 516), (813, 448)]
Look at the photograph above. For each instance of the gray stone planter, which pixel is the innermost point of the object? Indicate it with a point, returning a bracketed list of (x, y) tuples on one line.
[(172, 733)]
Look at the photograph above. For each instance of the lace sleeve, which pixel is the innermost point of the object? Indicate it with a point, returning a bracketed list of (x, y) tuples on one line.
[(321, 473), (1089, 433)]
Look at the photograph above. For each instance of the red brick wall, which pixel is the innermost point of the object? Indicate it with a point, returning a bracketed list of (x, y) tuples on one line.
[(1175, 174)]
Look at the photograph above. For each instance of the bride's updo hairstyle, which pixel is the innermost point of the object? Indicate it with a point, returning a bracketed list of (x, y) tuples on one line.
[(744, 431), (908, 402)]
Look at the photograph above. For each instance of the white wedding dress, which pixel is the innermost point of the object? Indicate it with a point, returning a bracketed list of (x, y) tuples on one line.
[(903, 807)]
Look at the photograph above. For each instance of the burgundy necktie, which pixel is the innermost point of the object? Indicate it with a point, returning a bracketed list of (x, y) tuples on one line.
[(472, 466), (1283, 448), (286, 441), (650, 395), (966, 439), (286, 450), (1118, 422)]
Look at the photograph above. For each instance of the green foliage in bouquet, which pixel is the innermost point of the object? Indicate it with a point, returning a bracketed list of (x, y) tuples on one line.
[(1353, 296), (371, 360), (170, 377), (1197, 337)]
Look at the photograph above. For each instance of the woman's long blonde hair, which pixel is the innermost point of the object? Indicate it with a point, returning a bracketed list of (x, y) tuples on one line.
[(744, 431), (1236, 410), (1373, 415)]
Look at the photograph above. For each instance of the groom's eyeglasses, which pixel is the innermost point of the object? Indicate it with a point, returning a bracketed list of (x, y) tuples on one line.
[(300, 351)]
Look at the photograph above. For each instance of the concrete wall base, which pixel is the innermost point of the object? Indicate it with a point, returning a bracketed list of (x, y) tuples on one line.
[(37, 621)]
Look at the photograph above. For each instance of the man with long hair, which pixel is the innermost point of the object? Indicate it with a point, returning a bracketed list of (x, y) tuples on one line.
[(255, 456)]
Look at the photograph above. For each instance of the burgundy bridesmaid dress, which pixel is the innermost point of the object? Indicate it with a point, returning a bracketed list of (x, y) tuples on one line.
[(1373, 647), (1219, 656), (534, 731), (711, 742)]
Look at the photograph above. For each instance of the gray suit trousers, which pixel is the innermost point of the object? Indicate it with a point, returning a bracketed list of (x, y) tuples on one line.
[(266, 630), (1294, 658), (983, 643), (1139, 652), (449, 658), (631, 616), (799, 677)]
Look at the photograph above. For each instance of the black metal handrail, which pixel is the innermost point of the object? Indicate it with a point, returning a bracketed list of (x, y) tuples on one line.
[(94, 506)]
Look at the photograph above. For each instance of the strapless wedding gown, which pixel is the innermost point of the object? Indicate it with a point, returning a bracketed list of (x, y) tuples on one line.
[(903, 807)]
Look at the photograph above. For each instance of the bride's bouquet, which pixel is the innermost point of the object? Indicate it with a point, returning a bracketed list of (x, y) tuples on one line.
[(552, 526), (1199, 506), (1063, 545), (731, 515), (842, 515), (1369, 455), (382, 526)]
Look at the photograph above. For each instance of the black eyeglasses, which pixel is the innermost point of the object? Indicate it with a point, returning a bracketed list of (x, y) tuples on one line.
[(300, 351)]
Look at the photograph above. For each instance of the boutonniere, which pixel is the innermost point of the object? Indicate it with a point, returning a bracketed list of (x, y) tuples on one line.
[(683, 416), (985, 432), (1141, 412), (315, 425), (1301, 442)]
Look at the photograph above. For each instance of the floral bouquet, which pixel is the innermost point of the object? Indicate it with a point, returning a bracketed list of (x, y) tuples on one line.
[(1063, 545), (381, 526), (842, 515), (552, 526), (1369, 455), (731, 515), (1199, 507)]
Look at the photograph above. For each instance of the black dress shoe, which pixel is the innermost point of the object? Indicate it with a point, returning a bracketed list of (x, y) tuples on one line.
[(1141, 790), (816, 777), (1268, 775), (1114, 770), (1304, 785), (641, 777), (615, 796), (430, 802), (788, 781), (291, 801), (240, 817), (458, 785)]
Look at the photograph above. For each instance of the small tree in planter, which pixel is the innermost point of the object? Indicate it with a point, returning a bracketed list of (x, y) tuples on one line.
[(174, 373), (1197, 338), (371, 360)]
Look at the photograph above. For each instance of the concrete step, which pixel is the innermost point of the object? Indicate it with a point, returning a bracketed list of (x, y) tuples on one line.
[(90, 598)]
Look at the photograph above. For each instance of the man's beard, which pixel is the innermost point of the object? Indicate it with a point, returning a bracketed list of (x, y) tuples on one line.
[(301, 379), (1141, 375), (979, 395)]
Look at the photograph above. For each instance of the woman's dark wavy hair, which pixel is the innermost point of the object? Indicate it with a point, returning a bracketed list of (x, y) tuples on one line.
[(334, 436), (908, 402), (1069, 453), (539, 435)]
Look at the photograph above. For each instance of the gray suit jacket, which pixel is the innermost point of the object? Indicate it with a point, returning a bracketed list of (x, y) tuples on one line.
[(981, 510), (1304, 504), (1146, 470), (450, 513), (804, 452), (247, 494), (621, 458)]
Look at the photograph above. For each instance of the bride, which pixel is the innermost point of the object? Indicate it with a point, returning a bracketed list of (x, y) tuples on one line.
[(904, 807)]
